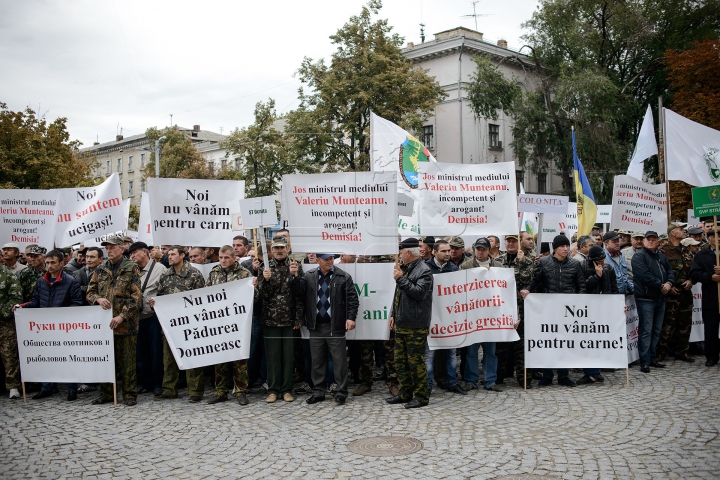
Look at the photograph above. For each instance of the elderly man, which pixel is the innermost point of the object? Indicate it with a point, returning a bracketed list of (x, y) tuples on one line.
[(617, 261), (331, 306), (149, 339), (705, 271), (654, 277), (410, 317), (11, 255), (28, 277), (584, 243), (457, 250), (115, 285)]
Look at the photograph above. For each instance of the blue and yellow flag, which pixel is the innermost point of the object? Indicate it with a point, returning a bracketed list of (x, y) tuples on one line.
[(586, 206)]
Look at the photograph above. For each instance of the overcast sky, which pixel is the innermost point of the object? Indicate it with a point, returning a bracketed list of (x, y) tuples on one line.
[(108, 64)]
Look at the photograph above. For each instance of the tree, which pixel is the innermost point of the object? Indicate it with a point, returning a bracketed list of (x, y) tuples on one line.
[(38, 154), (178, 156), (263, 154), (367, 72), (489, 91)]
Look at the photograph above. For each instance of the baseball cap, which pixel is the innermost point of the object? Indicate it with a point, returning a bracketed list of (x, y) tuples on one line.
[(114, 240), (663, 236), (325, 256), (127, 239), (456, 242), (482, 242), (516, 237), (672, 226), (610, 236), (650, 233), (637, 233), (278, 242), (686, 242), (37, 250), (11, 245)]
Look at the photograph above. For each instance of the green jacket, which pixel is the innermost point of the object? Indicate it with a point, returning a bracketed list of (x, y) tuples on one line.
[(121, 289), (220, 275), (281, 307), (28, 277), (10, 293), (523, 271), (189, 278)]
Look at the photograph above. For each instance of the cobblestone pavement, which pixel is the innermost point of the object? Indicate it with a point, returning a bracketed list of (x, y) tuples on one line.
[(664, 425)]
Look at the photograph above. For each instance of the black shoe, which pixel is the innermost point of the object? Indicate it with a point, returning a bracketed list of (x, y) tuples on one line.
[(657, 365), (644, 369), (469, 386), (54, 388), (218, 400), (157, 392), (314, 399), (340, 400), (242, 399), (458, 389), (587, 379), (72, 395), (396, 399), (415, 403), (142, 390), (194, 399), (709, 363), (42, 394)]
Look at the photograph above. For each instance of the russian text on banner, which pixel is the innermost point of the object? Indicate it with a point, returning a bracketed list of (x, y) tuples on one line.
[(210, 325), (89, 212), (353, 213), (194, 212), (467, 199), (473, 306), (375, 287), (632, 327), (27, 217), (66, 345), (575, 331), (637, 205)]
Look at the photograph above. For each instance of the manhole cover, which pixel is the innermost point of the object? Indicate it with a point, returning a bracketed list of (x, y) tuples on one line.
[(385, 446)]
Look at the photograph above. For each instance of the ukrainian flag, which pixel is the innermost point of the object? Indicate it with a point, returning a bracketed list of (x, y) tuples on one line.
[(586, 206)]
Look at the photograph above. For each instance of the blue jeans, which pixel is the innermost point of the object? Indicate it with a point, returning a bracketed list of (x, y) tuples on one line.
[(471, 373), (149, 353), (651, 316), (71, 387), (257, 368), (450, 366), (548, 373), (591, 372)]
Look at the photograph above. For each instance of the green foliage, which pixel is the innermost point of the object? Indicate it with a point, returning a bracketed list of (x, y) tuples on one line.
[(38, 154), (178, 156), (489, 91), (367, 72), (134, 217), (263, 153)]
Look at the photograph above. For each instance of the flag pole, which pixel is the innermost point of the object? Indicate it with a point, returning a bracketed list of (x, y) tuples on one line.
[(664, 157)]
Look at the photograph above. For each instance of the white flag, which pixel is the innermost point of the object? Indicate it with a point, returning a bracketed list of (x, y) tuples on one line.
[(645, 146), (693, 151)]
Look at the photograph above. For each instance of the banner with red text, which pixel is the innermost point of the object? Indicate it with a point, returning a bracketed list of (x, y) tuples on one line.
[(65, 344), (637, 205), (352, 213), (473, 306), (89, 212), (27, 217), (145, 221), (474, 200), (534, 203)]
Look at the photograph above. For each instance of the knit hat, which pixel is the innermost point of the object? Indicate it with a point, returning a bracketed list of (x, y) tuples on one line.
[(560, 241)]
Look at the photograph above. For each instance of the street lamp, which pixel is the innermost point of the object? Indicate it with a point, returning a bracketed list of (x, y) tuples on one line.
[(157, 156)]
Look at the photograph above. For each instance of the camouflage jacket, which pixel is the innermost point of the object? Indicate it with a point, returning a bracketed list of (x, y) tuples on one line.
[(680, 259), (281, 308), (472, 262), (10, 293), (189, 278), (523, 271), (220, 275), (121, 289), (28, 277)]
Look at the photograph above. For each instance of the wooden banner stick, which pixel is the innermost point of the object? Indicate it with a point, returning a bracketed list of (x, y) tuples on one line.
[(24, 394), (627, 374), (115, 392), (525, 378)]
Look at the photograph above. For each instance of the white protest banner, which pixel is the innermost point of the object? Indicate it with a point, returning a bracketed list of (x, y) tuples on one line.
[(604, 213), (258, 212), (632, 327), (66, 344), (89, 212), (132, 234), (353, 213), (210, 325), (194, 212), (692, 220), (205, 268), (406, 205), (97, 241), (375, 287), (575, 331), (472, 306), (553, 224), (145, 222), (533, 203), (409, 226), (473, 200), (637, 205), (697, 333), (27, 217), (126, 209)]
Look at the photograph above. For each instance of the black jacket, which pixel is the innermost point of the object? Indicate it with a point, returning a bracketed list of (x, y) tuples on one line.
[(63, 292), (447, 267), (650, 271), (702, 271), (344, 300), (607, 284), (413, 295), (553, 276)]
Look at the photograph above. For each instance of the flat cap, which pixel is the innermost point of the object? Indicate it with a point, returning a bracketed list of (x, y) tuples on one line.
[(114, 240), (409, 243), (137, 246)]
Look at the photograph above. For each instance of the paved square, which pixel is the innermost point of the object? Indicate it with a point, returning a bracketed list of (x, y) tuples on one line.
[(664, 425)]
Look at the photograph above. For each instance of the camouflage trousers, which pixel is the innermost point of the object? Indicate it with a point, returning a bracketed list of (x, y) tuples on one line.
[(9, 354), (389, 345), (410, 363), (239, 375), (126, 363), (675, 333), (365, 375), (171, 375)]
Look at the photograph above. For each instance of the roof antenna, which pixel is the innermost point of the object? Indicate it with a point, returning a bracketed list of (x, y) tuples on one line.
[(475, 15), (422, 33)]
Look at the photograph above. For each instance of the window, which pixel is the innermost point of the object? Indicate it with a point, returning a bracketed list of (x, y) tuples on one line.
[(142, 186), (494, 136), (131, 188), (119, 164), (542, 183), (142, 160), (427, 137), (130, 163), (211, 167), (108, 168), (223, 164), (519, 179), (237, 163)]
